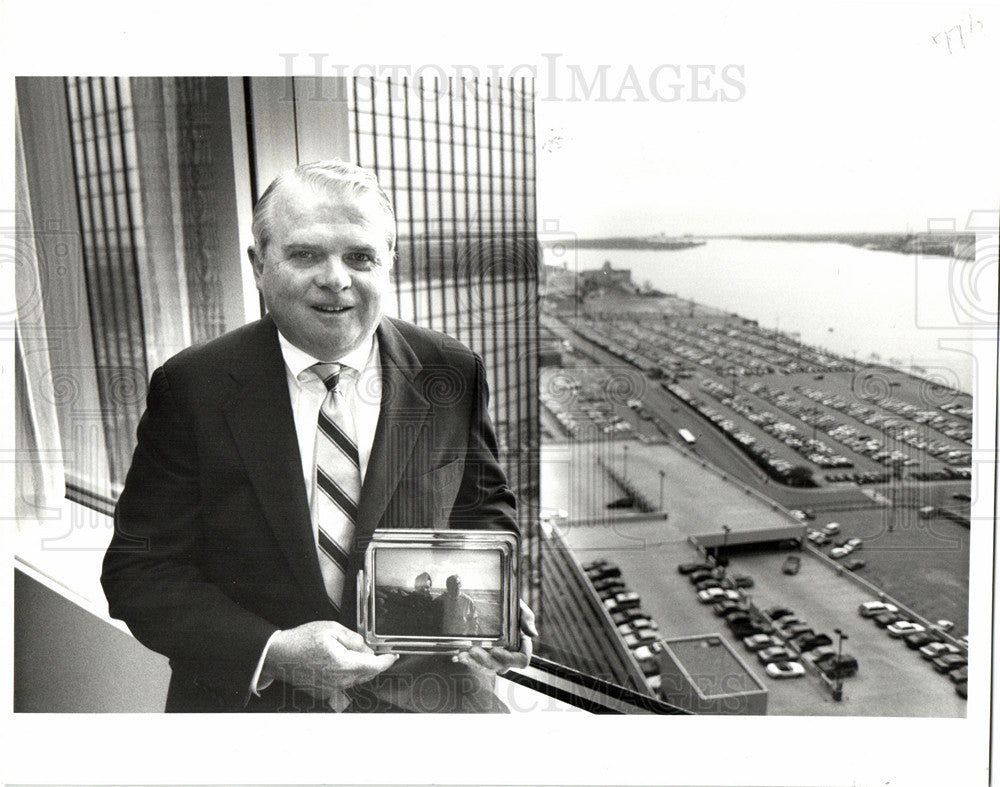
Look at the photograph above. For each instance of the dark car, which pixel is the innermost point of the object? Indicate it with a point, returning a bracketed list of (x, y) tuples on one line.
[(855, 564), (843, 667), (917, 639), (806, 642), (626, 615), (741, 581), (748, 628), (690, 568), (778, 612), (948, 662), (962, 689), (960, 675), (796, 629), (886, 619), (604, 572), (792, 564), (606, 584), (701, 574), (710, 582), (723, 608)]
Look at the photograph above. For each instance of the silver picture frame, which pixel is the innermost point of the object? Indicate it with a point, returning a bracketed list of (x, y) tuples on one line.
[(431, 591)]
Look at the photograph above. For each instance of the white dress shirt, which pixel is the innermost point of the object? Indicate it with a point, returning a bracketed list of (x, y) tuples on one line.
[(361, 387)]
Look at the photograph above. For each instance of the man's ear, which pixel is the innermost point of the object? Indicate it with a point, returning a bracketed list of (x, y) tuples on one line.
[(256, 262)]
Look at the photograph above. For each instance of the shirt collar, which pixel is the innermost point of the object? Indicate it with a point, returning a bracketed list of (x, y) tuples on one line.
[(298, 360)]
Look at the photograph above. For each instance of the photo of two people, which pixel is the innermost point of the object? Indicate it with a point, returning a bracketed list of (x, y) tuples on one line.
[(454, 593)]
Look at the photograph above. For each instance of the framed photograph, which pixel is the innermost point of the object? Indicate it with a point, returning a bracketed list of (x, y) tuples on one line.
[(429, 591)]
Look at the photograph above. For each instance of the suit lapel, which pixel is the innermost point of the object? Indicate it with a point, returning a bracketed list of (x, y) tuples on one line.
[(402, 414), (260, 417)]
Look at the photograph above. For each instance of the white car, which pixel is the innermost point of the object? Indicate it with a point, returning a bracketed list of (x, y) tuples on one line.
[(901, 627), (785, 669), (936, 649), (718, 594), (832, 529), (854, 543), (838, 552), (870, 609), (756, 642)]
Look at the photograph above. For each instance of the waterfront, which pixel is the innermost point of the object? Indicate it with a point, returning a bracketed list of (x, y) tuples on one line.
[(871, 305)]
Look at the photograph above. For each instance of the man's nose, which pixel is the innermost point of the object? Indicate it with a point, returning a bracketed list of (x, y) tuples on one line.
[(333, 274)]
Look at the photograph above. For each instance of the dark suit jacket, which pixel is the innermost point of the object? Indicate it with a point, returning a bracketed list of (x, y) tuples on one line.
[(213, 548)]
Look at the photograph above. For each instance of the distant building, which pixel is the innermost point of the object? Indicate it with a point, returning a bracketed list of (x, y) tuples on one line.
[(607, 276), (703, 674)]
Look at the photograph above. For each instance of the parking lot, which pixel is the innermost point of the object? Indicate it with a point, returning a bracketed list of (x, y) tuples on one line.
[(892, 680)]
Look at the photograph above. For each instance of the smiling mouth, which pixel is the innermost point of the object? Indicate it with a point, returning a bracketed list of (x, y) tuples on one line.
[(331, 309)]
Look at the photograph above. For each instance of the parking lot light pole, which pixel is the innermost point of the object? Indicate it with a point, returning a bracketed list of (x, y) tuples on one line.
[(723, 560), (838, 691), (663, 477)]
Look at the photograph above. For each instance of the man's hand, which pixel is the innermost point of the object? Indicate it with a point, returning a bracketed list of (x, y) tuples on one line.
[(499, 660), (322, 657)]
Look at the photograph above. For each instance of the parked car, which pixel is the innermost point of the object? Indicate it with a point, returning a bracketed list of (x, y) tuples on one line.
[(741, 581), (689, 568), (831, 529), (648, 651), (918, 639), (774, 613), (705, 584), (723, 608), (884, 619), (854, 564), (935, 649), (843, 667), (796, 629), (962, 689), (748, 628), (791, 565), (776, 653), (948, 662), (838, 552), (901, 627), (785, 669), (612, 590), (756, 642), (944, 625), (634, 639), (718, 594), (959, 675), (819, 538), (610, 582), (820, 653), (807, 642), (854, 543), (609, 571), (625, 615), (869, 609), (700, 575)]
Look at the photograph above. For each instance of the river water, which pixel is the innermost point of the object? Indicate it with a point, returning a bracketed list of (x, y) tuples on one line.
[(875, 306)]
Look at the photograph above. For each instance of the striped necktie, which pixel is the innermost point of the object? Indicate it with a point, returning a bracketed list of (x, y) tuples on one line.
[(338, 482)]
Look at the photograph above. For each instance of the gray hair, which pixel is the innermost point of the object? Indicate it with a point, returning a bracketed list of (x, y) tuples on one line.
[(337, 178)]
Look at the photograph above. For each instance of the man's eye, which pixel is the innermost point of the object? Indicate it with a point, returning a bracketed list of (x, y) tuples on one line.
[(302, 254), (359, 258)]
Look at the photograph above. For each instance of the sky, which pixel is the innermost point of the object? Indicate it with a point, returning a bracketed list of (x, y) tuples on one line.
[(846, 118)]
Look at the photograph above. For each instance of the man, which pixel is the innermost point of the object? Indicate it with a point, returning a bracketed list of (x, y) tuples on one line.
[(458, 610), (221, 559), (420, 613)]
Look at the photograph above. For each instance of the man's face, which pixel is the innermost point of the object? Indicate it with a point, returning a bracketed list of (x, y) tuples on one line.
[(325, 269)]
